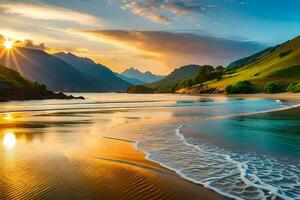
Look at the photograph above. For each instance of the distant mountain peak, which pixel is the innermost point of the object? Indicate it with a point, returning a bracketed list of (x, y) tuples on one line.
[(147, 76)]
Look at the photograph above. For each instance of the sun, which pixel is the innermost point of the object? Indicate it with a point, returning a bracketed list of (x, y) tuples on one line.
[(8, 44)]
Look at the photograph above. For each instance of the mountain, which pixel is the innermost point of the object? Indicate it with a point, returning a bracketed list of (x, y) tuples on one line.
[(180, 74), (38, 66), (102, 76), (280, 63), (14, 87), (165, 85), (132, 81), (147, 77)]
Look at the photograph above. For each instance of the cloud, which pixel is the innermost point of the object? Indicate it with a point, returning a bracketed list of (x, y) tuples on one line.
[(177, 49), (46, 12), (155, 10), (30, 45)]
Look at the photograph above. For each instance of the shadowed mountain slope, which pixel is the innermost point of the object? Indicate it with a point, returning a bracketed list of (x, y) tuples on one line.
[(102, 76), (41, 67)]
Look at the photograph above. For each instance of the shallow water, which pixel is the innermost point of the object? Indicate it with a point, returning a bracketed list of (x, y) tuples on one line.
[(211, 141)]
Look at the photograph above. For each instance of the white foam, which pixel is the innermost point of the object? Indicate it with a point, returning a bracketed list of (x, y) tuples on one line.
[(242, 168)]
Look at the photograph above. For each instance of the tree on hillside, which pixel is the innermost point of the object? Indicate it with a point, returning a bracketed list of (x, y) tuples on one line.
[(220, 69), (219, 72), (205, 73)]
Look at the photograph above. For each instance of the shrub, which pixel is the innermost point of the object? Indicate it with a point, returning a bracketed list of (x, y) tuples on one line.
[(241, 87), (140, 89), (294, 87), (284, 53), (273, 88)]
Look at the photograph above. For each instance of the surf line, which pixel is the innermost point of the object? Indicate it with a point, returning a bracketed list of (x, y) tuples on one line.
[(242, 168)]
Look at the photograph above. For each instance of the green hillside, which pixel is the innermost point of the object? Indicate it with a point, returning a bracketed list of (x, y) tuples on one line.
[(180, 74), (14, 87), (280, 63), (10, 78)]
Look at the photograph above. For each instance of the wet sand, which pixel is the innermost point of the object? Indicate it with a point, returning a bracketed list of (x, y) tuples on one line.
[(280, 96), (117, 171)]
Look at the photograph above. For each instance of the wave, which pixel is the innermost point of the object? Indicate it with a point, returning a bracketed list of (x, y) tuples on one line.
[(224, 172)]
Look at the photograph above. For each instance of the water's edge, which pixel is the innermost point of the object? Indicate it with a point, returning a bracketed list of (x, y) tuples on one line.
[(242, 167)]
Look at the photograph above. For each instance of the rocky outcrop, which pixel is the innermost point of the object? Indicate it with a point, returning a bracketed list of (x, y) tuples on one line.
[(200, 89)]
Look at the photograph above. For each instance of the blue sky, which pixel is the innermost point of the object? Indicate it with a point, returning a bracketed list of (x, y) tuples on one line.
[(146, 33)]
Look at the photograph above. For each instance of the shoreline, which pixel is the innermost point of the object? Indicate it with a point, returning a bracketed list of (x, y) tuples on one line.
[(161, 182), (277, 96)]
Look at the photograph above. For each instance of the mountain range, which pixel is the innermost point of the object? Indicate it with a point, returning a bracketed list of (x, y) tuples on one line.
[(62, 72), (146, 77), (175, 77), (132, 81), (69, 73), (102, 76)]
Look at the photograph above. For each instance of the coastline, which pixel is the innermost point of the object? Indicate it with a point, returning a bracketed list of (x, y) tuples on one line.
[(129, 175), (161, 182), (277, 96)]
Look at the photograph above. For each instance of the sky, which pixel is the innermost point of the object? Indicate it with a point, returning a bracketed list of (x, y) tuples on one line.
[(154, 35)]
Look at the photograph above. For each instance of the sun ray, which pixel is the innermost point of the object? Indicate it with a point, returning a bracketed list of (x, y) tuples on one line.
[(7, 59), (2, 53), (16, 63), (25, 57)]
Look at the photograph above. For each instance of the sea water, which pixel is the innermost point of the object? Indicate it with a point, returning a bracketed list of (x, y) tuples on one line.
[(240, 148)]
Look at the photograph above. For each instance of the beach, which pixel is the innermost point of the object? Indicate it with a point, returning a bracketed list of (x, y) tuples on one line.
[(64, 153), (117, 172), (121, 146)]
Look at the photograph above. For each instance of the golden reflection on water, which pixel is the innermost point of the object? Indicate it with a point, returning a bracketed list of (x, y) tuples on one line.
[(9, 140)]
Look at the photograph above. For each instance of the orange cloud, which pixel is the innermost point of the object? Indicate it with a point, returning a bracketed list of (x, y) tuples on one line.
[(30, 44), (172, 49)]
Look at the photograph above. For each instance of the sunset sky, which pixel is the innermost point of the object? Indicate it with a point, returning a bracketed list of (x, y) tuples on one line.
[(155, 35)]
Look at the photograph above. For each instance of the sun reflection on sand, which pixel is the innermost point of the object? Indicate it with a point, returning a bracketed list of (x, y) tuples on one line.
[(8, 117), (9, 140)]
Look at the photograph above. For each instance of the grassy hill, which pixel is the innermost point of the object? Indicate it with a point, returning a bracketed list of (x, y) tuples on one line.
[(280, 63), (180, 74), (14, 87)]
